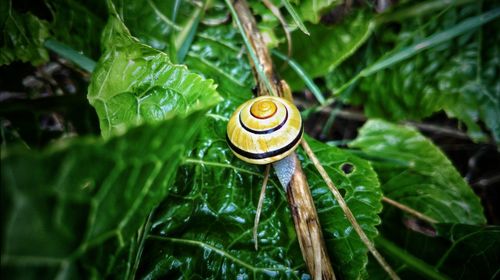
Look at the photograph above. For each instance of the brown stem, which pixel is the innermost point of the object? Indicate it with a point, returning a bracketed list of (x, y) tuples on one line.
[(438, 129), (259, 46), (409, 210), (299, 196), (347, 211), (307, 225)]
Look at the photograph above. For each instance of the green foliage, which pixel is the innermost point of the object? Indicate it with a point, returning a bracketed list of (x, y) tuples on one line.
[(77, 25), (216, 53), (151, 200), (87, 218), (455, 75), (311, 10), (476, 246), (208, 226), (22, 36), (328, 46), (450, 251), (416, 173), (150, 21), (72, 22), (471, 81), (162, 25), (295, 16), (134, 83), (359, 183), (74, 208)]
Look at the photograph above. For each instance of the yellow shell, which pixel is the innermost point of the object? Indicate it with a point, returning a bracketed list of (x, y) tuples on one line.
[(264, 130)]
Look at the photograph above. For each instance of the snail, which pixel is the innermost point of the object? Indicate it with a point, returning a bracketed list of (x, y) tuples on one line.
[(264, 130)]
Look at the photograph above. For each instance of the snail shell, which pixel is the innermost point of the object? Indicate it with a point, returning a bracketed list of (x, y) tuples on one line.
[(264, 130)]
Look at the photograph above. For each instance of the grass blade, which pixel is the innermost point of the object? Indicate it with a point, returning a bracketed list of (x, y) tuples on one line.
[(295, 16), (420, 9), (303, 75), (427, 43), (413, 263), (70, 54), (186, 38), (432, 41)]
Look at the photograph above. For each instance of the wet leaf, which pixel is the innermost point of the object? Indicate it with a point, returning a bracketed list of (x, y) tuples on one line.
[(456, 75), (326, 47), (205, 228), (217, 53), (71, 210), (416, 173), (134, 83), (355, 178)]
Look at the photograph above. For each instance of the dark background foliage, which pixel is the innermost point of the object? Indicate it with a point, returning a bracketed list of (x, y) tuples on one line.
[(161, 196)]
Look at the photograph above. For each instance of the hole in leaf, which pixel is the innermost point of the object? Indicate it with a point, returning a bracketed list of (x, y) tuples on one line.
[(342, 192), (347, 168)]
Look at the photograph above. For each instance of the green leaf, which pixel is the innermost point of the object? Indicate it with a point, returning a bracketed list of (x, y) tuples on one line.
[(133, 83), (216, 53), (70, 210), (204, 229), (477, 247), (412, 82), (156, 23), (453, 251), (327, 47), (312, 10), (416, 173), (356, 178), (433, 40), (470, 79), (22, 36), (78, 24), (150, 21), (409, 265)]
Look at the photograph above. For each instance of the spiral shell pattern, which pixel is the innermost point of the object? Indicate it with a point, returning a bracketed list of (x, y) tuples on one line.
[(264, 130)]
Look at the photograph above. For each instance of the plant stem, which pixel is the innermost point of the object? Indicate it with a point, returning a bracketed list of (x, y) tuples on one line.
[(360, 117), (299, 196), (347, 211), (413, 263), (251, 51), (259, 207), (70, 54), (409, 210)]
